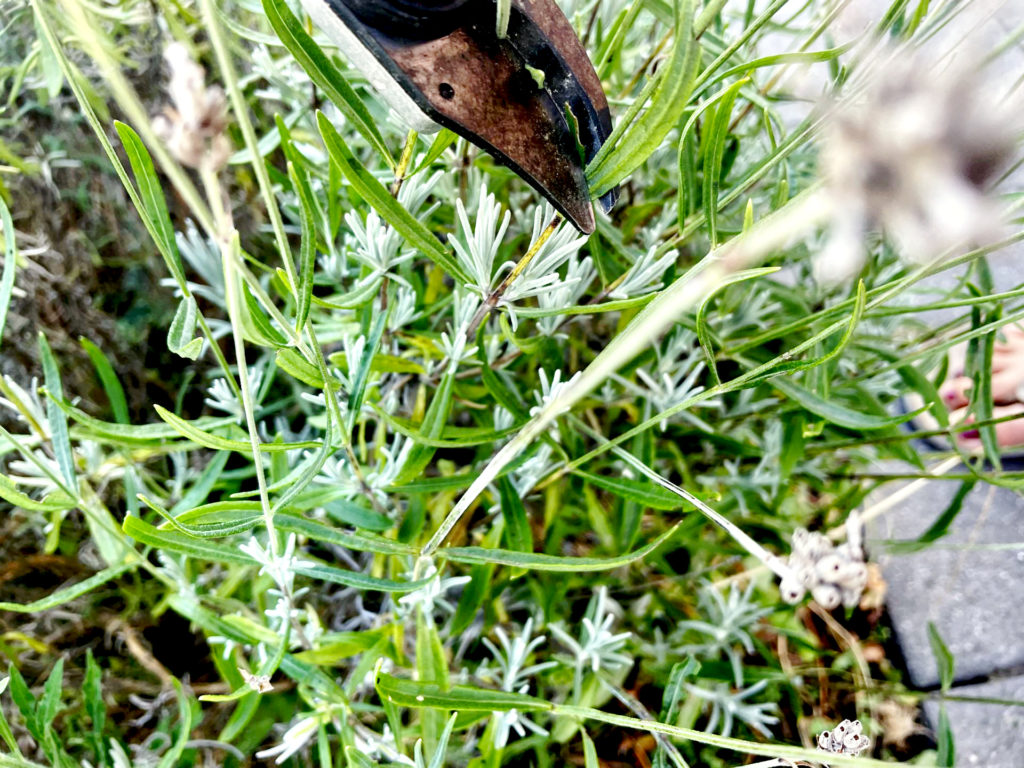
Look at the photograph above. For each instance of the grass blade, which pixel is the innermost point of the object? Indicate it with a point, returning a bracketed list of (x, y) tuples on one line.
[(67, 594), (55, 416), (536, 561), (324, 74), (10, 264), (629, 147)]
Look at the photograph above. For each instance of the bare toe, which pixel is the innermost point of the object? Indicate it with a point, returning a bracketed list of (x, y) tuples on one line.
[(956, 392), (1008, 433), (1006, 383)]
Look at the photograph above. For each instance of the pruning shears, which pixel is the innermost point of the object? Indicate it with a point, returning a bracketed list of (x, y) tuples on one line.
[(530, 97)]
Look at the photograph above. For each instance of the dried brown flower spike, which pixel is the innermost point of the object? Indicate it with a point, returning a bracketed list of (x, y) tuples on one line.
[(193, 124)]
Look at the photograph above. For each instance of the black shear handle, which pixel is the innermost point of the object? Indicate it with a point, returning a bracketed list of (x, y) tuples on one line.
[(413, 19)]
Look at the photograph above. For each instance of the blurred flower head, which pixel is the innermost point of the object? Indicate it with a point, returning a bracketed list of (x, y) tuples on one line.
[(912, 153), (193, 124)]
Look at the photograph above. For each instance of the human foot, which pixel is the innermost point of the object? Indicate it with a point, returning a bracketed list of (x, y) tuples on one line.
[(1008, 433), (1007, 373), (1007, 392)]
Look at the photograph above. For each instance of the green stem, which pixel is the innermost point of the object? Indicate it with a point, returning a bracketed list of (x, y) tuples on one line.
[(227, 241), (241, 110), (765, 749)]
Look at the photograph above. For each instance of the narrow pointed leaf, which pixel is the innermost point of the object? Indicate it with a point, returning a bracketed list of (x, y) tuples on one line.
[(50, 700), (307, 470), (360, 542), (157, 219), (265, 332), (172, 757), (389, 209), (433, 425), (68, 594), (631, 145), (307, 244), (131, 434), (417, 695), (10, 264), (441, 142), (201, 549), (92, 694), (55, 501), (833, 412), (644, 493), (362, 374), (108, 378), (536, 561), (324, 73), (55, 416), (294, 364), (199, 436), (451, 436), (714, 140)]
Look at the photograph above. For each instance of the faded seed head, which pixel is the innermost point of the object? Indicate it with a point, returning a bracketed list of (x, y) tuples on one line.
[(193, 124), (847, 738), (833, 575)]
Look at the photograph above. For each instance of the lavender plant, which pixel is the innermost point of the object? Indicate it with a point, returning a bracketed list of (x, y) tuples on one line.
[(434, 480)]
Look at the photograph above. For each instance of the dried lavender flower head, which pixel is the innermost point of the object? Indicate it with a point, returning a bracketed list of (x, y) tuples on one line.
[(912, 153), (833, 575), (193, 124), (847, 738)]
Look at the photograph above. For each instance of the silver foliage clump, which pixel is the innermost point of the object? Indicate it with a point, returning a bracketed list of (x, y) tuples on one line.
[(579, 274), (598, 648), (674, 378), (728, 706), (726, 626), (514, 674), (432, 595), (646, 275), (478, 243), (541, 274)]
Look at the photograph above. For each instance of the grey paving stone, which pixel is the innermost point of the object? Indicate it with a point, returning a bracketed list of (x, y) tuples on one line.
[(985, 735), (961, 583)]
